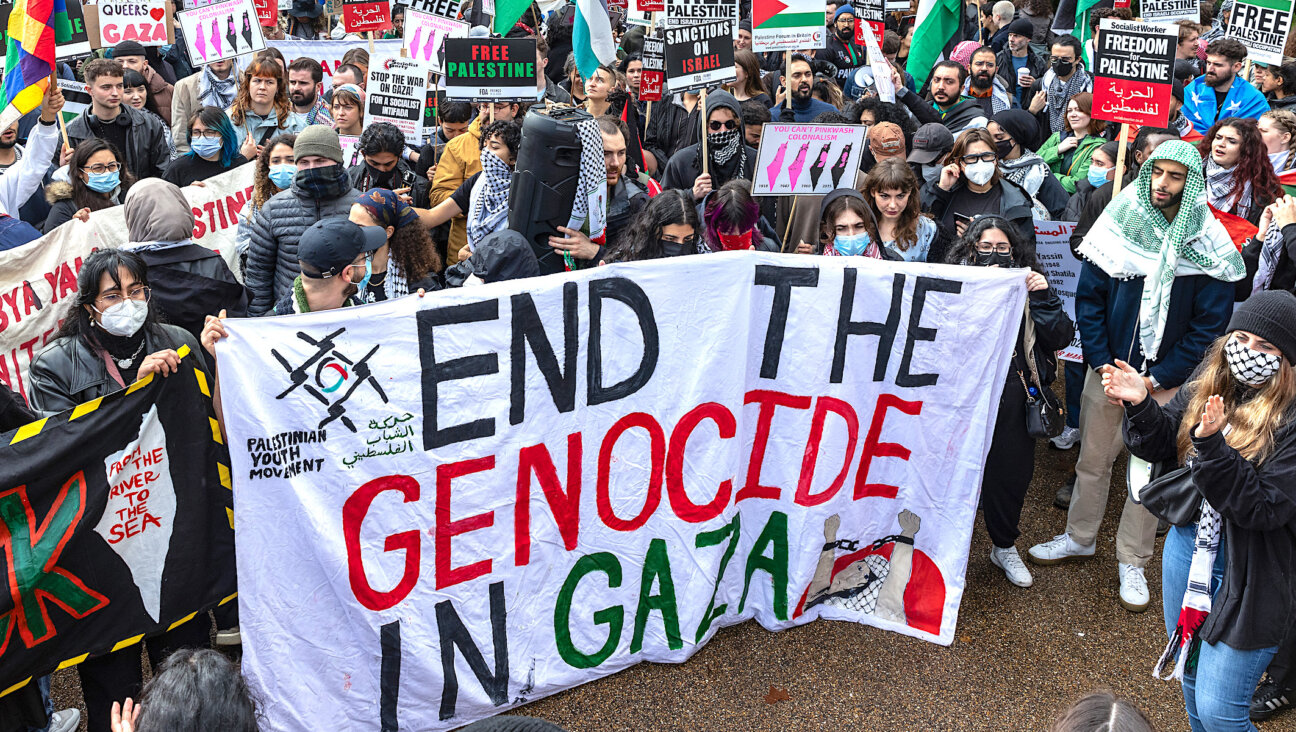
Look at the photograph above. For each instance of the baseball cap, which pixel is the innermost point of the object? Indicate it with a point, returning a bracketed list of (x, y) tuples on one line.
[(329, 245), (931, 141), (886, 140)]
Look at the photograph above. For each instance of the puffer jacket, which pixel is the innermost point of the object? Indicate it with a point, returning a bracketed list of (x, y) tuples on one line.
[(272, 250), (68, 372), (147, 150)]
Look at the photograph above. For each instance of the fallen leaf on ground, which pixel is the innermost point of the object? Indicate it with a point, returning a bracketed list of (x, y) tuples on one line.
[(776, 695)]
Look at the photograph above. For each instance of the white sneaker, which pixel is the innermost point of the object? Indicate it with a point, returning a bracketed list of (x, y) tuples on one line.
[(65, 720), (1059, 549), (1133, 588), (1014, 568), (1067, 440)]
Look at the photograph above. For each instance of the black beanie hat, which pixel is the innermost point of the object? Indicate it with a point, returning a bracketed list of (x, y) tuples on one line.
[(128, 48), (1270, 314)]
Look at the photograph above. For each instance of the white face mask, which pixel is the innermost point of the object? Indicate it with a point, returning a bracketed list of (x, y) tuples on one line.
[(123, 319), (980, 172)]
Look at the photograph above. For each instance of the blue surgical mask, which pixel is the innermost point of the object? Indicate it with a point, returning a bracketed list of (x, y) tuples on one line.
[(104, 182), (282, 175), (1098, 176), (205, 147), (363, 284), (850, 246)]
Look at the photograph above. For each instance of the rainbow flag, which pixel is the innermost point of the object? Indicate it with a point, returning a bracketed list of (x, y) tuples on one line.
[(35, 26)]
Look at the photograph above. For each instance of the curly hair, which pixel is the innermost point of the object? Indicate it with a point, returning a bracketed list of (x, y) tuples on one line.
[(383, 137), (884, 112), (263, 66), (1253, 164), (508, 133), (893, 174), (642, 237), (963, 251), (262, 187)]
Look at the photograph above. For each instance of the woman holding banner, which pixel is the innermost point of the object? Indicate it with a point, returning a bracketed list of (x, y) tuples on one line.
[(992, 241), (1227, 586)]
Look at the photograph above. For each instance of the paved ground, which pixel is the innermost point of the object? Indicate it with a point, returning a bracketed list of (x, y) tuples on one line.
[(1020, 657)]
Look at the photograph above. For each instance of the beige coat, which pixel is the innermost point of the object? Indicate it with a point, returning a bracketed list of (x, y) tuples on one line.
[(184, 102)]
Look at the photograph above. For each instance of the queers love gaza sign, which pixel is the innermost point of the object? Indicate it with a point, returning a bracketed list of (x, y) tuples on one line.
[(449, 506)]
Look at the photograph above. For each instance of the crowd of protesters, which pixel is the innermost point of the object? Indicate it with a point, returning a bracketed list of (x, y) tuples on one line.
[(1187, 327)]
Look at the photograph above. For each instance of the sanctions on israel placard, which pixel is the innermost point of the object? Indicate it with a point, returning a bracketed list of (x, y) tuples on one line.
[(453, 505)]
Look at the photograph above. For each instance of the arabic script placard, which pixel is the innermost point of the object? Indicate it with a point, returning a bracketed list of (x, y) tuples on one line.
[(1133, 72)]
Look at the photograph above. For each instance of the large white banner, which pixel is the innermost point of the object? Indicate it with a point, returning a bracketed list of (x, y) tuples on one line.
[(452, 505), (37, 278)]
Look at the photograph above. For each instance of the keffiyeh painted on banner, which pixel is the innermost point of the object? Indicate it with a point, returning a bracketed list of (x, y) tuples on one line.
[(1133, 239)]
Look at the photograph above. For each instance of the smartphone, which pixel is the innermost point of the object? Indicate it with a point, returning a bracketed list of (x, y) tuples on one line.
[(958, 217)]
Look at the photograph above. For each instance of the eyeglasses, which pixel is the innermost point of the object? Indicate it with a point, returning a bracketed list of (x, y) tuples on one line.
[(136, 293), (727, 124), (986, 157), (987, 248), (204, 134), (101, 168)]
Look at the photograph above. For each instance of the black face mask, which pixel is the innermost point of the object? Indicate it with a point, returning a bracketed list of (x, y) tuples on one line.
[(1004, 148), (987, 259), (383, 178), (671, 248), (1063, 68)]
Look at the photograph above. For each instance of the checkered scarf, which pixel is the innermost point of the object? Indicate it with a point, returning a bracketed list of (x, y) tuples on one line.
[(1219, 187), (490, 207), (1269, 253), (1144, 244), (1181, 651), (1060, 92), (590, 205)]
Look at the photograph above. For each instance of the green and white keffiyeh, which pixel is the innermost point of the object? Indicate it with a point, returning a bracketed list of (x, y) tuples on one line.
[(1133, 239)]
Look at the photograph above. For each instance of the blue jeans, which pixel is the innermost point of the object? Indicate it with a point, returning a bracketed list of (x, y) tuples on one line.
[(1218, 693), (1074, 375)]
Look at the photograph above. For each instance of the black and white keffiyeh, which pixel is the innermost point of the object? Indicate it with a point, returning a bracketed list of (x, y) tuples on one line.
[(1270, 250), (490, 205), (591, 199), (1249, 366), (216, 92), (1180, 654), (1219, 184), (1060, 92)]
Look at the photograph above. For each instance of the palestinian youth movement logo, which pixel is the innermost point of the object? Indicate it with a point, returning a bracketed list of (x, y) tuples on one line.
[(330, 376)]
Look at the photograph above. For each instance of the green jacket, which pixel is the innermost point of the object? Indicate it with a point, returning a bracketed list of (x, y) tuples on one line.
[(1079, 169)]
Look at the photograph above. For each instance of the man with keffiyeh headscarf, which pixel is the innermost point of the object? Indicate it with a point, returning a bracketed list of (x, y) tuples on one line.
[(1155, 290)]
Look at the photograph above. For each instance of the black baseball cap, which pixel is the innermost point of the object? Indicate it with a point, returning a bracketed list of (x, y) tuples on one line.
[(329, 245), (931, 141)]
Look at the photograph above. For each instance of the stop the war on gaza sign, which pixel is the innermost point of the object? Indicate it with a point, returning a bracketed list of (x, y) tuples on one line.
[(491, 494), (1133, 72), (1263, 27), (490, 69)]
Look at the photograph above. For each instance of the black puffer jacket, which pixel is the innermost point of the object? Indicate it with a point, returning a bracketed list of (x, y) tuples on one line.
[(147, 150), (272, 253), (68, 372), (1253, 606)]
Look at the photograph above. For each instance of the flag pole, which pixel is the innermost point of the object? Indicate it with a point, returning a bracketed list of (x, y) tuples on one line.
[(53, 80), (1120, 160), (702, 104), (787, 79)]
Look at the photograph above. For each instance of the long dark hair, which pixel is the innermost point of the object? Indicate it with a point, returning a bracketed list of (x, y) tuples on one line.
[(411, 247), (961, 145), (641, 239), (82, 196), (198, 689), (131, 79), (77, 322), (892, 174), (964, 251), (1253, 164), (262, 188)]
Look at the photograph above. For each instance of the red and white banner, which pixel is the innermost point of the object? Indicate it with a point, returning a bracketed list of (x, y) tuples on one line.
[(1134, 72), (38, 280), (491, 494)]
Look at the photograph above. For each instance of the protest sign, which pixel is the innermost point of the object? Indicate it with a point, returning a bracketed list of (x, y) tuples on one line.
[(425, 36), (220, 31), (1134, 72), (880, 67), (366, 16), (350, 150), (396, 93), (830, 151), (697, 12), (144, 21), (38, 279), (787, 25), (634, 16), (869, 16), (490, 69), (1053, 250), (699, 56), (650, 6), (329, 53), (1263, 27), (267, 12), (76, 99), (93, 499), (513, 489), (78, 44), (653, 77), (1169, 11), (448, 9)]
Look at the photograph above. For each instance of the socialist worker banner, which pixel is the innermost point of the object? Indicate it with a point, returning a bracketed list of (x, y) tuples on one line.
[(114, 523), (488, 495), (37, 278)]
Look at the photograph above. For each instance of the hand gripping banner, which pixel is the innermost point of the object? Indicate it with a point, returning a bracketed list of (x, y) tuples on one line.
[(452, 505), (115, 523)]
